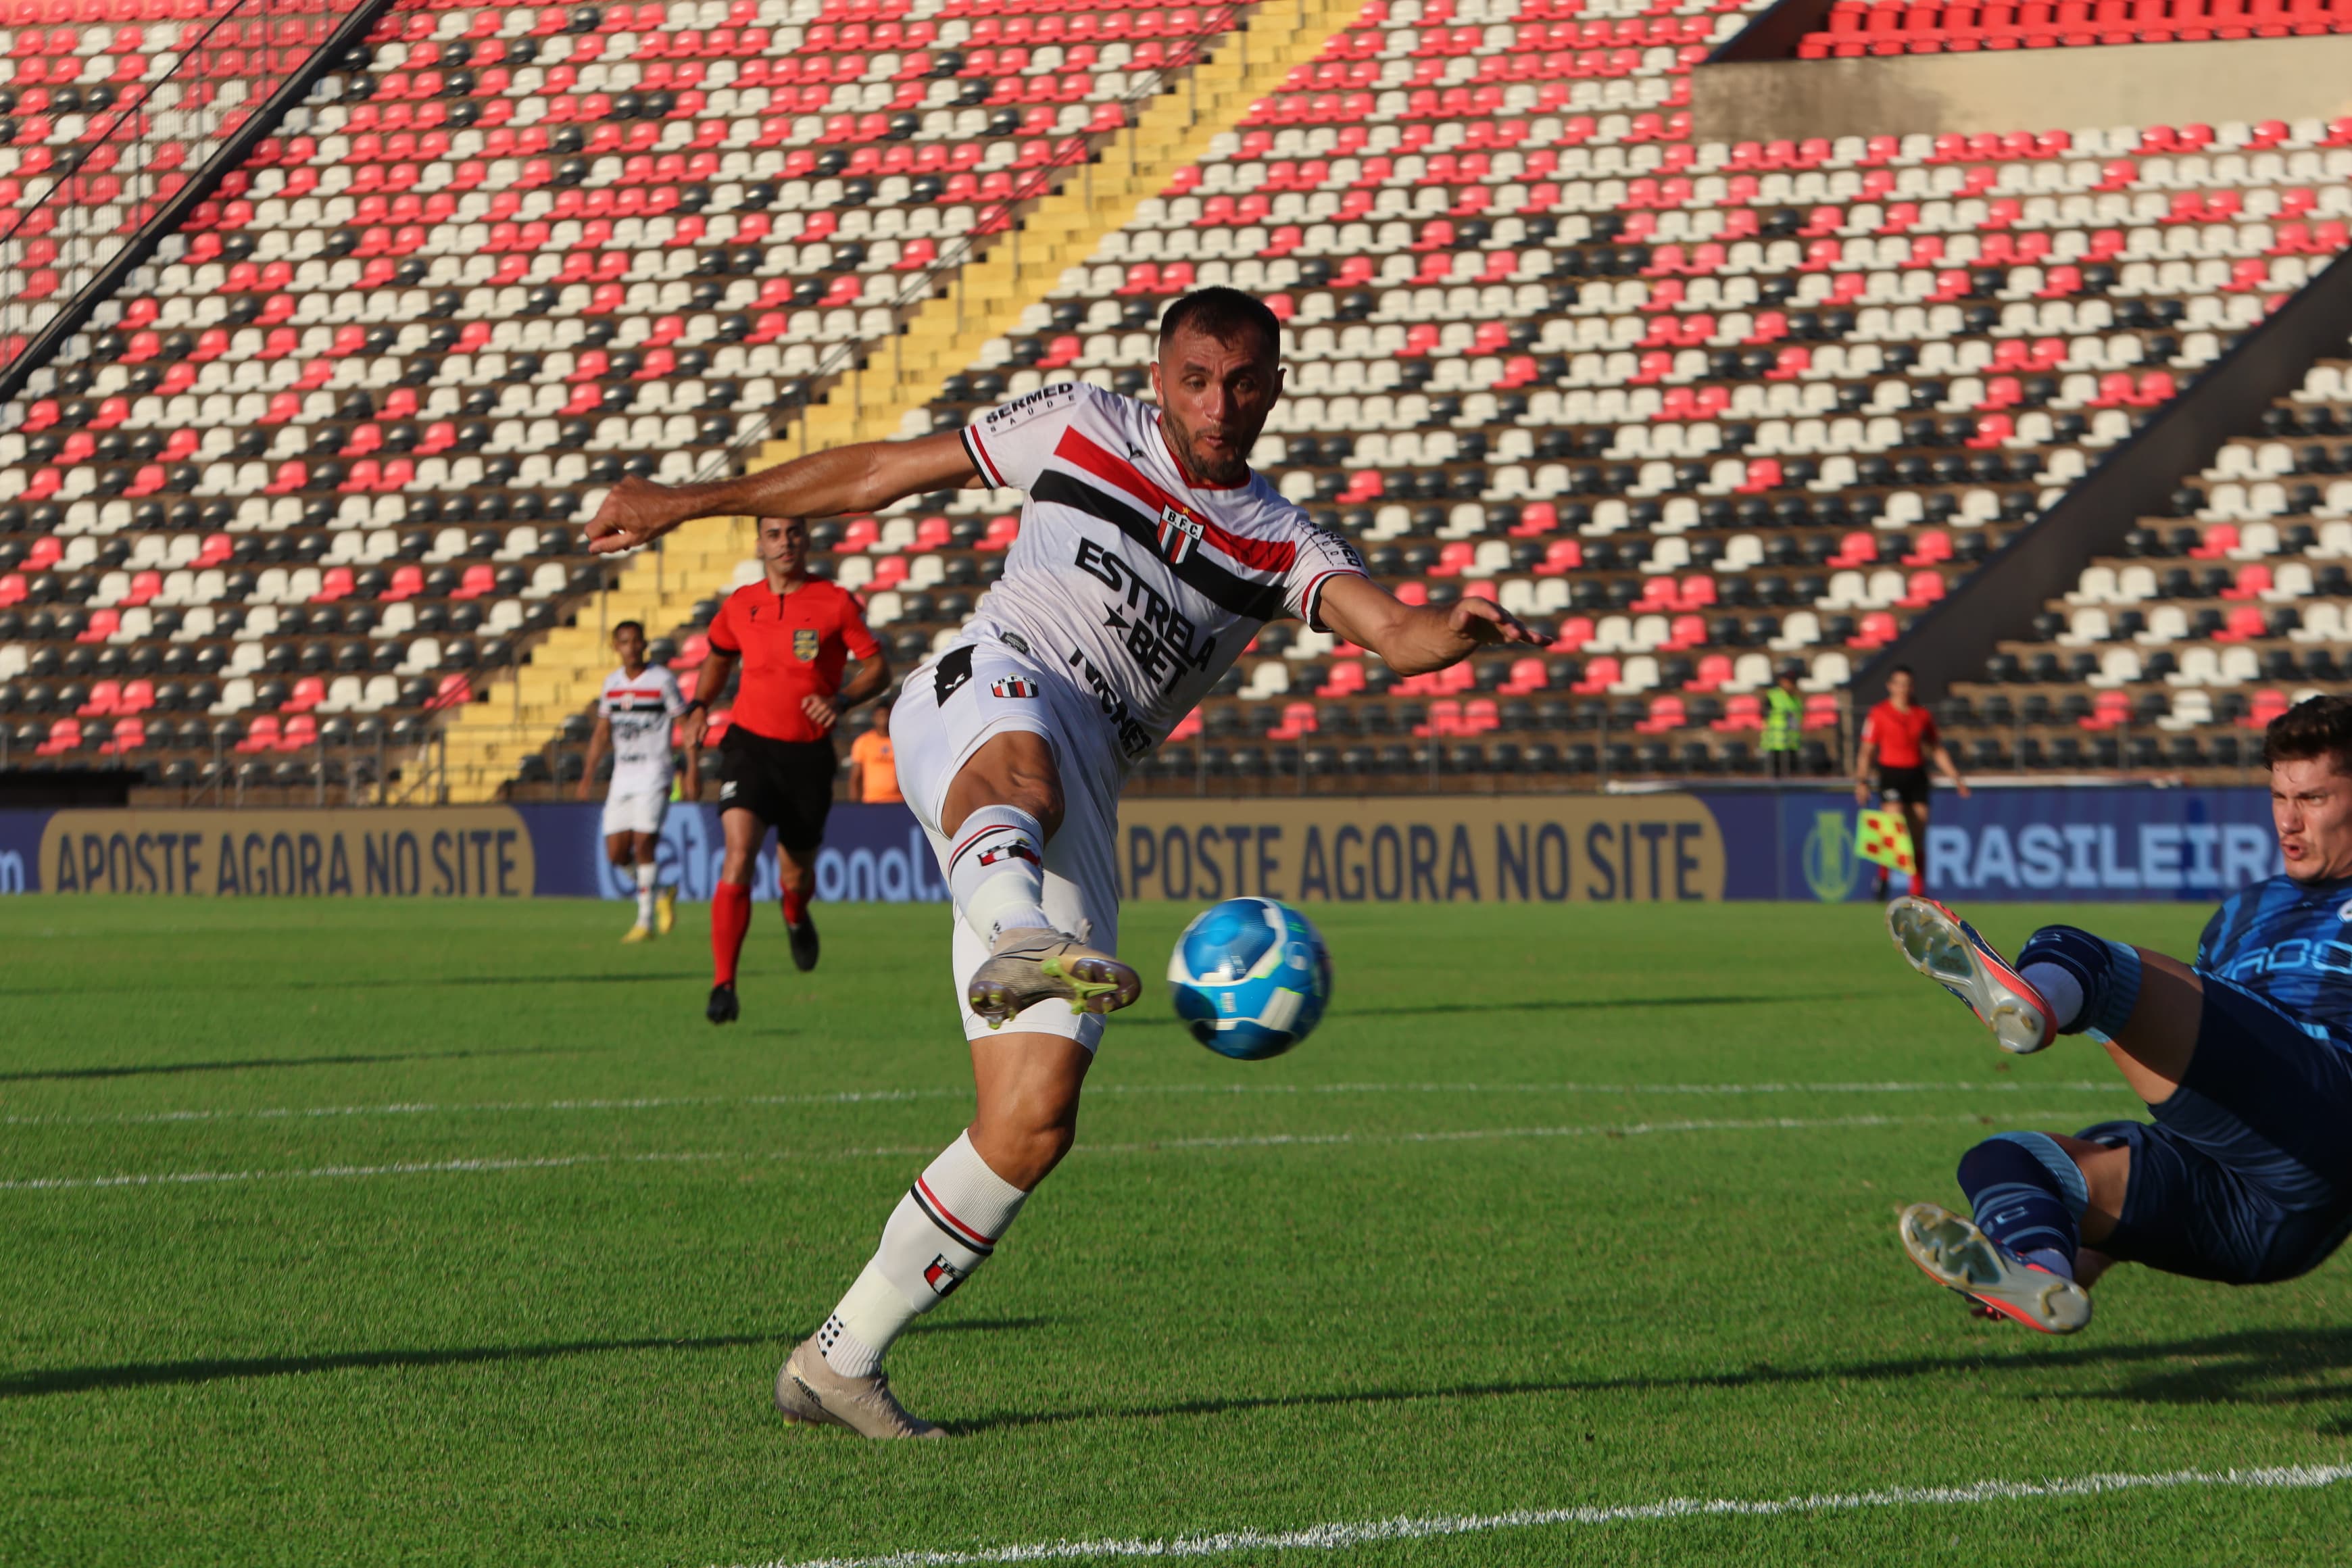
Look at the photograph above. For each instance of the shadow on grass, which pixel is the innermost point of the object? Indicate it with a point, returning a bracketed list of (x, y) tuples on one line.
[(1595, 1004), (2226, 1369), (1583, 1004), (114, 987), (146, 1375), (150, 1068)]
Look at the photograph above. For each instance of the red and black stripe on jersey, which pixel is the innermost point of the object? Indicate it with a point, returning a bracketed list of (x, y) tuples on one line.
[(1194, 558)]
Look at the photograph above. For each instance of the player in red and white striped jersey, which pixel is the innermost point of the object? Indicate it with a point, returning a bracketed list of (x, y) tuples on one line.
[(1149, 557), (633, 713)]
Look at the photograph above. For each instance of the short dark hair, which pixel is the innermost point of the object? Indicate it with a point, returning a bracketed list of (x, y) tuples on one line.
[(1903, 669), (1223, 315), (2317, 727), (620, 626)]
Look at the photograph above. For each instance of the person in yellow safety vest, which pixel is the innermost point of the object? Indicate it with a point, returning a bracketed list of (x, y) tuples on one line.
[(1784, 714)]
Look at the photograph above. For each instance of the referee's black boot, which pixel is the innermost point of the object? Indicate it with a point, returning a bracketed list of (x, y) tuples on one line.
[(803, 941), (722, 1008)]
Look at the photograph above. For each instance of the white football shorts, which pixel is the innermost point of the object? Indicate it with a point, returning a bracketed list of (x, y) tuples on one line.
[(635, 811), (955, 703)]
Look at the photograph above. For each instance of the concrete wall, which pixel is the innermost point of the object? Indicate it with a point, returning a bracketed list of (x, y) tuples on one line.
[(1747, 100)]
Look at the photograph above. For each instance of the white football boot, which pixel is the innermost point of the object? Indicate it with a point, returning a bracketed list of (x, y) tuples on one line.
[(1947, 949), (811, 1392), (1030, 963), (1954, 1254)]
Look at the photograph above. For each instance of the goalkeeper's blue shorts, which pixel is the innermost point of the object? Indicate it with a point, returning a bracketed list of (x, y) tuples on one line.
[(2245, 1175)]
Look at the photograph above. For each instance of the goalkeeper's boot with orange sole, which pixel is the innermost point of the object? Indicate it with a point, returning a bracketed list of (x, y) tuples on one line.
[(1954, 1254), (1947, 949)]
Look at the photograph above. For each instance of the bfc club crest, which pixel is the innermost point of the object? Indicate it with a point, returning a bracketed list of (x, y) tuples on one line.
[(804, 644), (1013, 686), (1179, 532)]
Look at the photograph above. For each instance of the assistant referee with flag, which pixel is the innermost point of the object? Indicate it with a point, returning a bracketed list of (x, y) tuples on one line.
[(1900, 737)]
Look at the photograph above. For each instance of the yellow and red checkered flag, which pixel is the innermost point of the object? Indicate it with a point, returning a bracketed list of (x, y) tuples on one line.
[(1885, 838)]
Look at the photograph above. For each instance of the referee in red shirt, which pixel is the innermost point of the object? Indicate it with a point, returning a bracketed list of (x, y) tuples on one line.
[(795, 636), (1900, 737)]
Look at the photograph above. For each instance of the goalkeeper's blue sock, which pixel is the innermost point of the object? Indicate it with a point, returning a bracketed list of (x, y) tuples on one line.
[(2090, 983), (2029, 1196)]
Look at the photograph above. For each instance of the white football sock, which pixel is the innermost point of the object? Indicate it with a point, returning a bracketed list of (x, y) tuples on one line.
[(946, 1226), (646, 874), (996, 872), (2059, 988)]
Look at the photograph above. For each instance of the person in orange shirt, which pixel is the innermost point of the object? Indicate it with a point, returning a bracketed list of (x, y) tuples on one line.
[(872, 765)]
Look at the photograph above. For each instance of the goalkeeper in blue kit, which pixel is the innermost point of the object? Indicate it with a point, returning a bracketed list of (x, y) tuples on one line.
[(2243, 1174)]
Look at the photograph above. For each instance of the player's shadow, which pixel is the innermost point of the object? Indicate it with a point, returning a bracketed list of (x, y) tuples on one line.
[(1583, 1004), (1593, 1004), (31, 1385), (428, 982), (388, 982), (143, 1070), (2262, 1366)]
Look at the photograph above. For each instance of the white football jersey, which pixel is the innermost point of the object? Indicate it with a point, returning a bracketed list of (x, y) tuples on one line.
[(640, 712), (1140, 586)]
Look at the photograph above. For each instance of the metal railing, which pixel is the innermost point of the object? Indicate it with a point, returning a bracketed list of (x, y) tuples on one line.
[(139, 168)]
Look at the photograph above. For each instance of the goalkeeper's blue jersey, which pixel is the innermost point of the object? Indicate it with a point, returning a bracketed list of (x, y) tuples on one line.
[(2290, 944)]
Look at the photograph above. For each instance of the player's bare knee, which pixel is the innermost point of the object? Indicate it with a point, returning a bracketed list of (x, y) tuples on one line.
[(1021, 1149), (1015, 769)]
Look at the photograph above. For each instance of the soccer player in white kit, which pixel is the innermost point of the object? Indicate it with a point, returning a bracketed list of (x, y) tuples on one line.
[(1149, 556), (634, 714)]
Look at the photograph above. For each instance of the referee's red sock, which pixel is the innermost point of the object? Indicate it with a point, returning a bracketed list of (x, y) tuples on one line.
[(795, 906), (730, 917)]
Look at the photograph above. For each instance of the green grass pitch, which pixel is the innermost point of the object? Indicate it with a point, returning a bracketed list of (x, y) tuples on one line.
[(1561, 1207)]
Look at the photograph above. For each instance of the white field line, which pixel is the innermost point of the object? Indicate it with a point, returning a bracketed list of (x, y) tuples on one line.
[(1341, 1537), (492, 1165), (895, 1096)]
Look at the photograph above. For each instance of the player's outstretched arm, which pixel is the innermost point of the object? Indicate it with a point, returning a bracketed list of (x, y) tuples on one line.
[(1412, 639), (859, 477)]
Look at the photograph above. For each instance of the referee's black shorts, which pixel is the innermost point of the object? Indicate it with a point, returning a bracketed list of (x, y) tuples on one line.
[(1909, 785), (788, 785)]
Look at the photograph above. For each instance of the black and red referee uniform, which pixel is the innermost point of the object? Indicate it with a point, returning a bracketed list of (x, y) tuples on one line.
[(775, 761)]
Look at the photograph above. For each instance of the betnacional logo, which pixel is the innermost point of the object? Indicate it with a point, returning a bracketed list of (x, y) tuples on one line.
[(1179, 532)]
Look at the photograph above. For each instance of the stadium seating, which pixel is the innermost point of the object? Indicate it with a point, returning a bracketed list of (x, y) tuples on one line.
[(106, 111), (345, 425), (1694, 408), (1855, 28), (2173, 654)]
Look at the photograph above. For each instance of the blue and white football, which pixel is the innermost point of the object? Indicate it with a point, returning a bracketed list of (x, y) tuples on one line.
[(1251, 978)]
